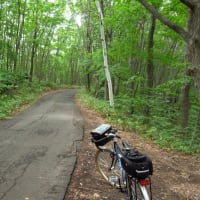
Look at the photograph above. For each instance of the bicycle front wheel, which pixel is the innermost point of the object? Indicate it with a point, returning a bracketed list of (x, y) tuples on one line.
[(138, 191), (107, 166)]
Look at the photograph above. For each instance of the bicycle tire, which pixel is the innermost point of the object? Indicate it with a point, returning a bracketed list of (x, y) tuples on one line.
[(137, 191), (107, 166)]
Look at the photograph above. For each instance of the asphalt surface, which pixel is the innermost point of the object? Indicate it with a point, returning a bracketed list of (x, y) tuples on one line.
[(38, 149)]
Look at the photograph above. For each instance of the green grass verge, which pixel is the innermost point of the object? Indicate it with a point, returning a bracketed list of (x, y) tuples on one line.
[(24, 94), (159, 130)]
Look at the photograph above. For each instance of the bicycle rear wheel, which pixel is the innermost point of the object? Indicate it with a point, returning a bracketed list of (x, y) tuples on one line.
[(107, 166), (138, 190)]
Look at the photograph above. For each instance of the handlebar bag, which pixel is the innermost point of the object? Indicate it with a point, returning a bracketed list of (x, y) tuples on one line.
[(99, 134), (137, 164)]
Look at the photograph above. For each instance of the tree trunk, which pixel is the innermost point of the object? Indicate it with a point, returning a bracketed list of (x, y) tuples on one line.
[(88, 45), (193, 45), (150, 66), (33, 55), (20, 27), (197, 127), (185, 106), (192, 56), (108, 77), (192, 38)]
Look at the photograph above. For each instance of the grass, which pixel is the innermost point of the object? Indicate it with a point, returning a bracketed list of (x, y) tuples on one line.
[(12, 100), (160, 130)]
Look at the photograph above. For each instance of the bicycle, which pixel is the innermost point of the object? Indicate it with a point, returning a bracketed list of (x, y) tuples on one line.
[(117, 169)]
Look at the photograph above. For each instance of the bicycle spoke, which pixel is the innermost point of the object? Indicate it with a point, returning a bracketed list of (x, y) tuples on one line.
[(108, 167)]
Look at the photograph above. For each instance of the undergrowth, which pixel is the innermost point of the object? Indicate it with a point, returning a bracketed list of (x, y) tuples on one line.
[(159, 129), (25, 93)]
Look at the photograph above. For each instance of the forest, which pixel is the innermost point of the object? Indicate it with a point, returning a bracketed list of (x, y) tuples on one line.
[(136, 61)]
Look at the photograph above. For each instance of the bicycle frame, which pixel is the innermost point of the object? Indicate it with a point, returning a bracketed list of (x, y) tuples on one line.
[(116, 162), (109, 163), (118, 155), (126, 179)]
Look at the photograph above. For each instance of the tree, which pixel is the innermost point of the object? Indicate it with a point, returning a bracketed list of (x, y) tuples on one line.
[(150, 64), (109, 81), (21, 7), (192, 39), (88, 43)]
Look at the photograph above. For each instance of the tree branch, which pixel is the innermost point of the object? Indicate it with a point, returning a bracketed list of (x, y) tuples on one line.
[(184, 34), (188, 3)]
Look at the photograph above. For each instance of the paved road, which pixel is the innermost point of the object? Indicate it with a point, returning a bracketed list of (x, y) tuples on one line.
[(38, 149)]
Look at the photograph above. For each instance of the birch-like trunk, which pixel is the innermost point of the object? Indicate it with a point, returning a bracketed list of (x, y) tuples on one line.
[(105, 57)]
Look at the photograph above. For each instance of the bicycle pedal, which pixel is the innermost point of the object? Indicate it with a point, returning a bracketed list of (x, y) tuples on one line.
[(114, 180)]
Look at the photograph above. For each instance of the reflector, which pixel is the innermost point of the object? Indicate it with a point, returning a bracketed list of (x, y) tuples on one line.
[(144, 182)]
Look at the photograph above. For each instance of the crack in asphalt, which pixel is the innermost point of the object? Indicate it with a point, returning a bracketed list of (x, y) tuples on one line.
[(53, 128), (27, 159)]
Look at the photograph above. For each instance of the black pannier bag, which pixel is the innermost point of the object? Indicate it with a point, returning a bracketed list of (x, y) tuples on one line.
[(137, 164), (99, 134)]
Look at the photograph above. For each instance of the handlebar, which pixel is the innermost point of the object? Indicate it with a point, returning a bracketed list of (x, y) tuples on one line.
[(113, 135), (108, 136)]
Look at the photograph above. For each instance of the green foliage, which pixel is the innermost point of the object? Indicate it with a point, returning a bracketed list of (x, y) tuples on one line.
[(175, 11), (154, 111), (99, 106), (161, 128), (38, 35), (24, 94), (9, 80)]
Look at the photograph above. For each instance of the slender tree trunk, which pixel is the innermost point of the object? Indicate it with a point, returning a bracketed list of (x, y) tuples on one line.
[(107, 72), (20, 26), (150, 65), (185, 105), (33, 51), (88, 45)]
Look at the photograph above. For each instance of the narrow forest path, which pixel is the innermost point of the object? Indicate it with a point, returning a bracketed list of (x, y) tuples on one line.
[(176, 176)]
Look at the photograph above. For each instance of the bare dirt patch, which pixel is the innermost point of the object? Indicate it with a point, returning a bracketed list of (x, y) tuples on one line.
[(176, 176)]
